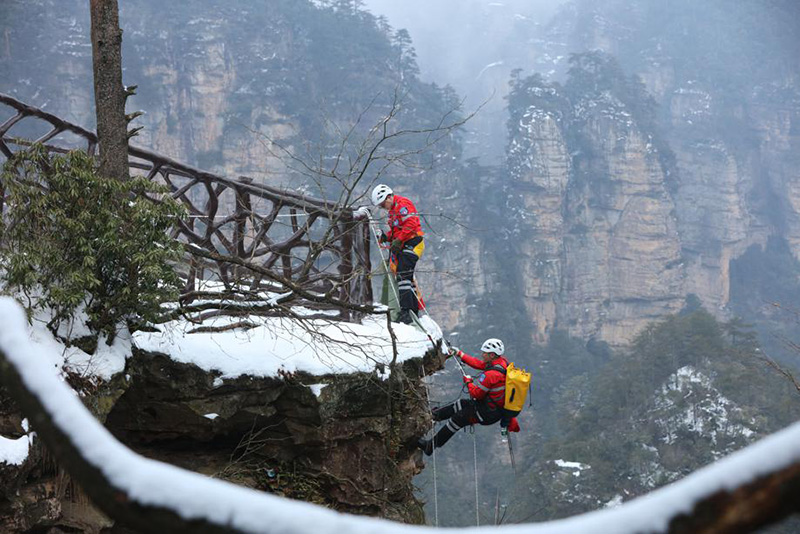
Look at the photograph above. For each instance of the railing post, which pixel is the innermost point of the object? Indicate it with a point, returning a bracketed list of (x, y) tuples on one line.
[(346, 263), (366, 263), (362, 269), (243, 209)]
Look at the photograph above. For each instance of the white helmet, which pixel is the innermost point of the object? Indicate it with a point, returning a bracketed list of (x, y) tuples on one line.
[(380, 193), (493, 345)]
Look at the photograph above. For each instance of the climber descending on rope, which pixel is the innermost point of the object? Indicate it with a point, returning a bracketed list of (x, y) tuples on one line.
[(488, 402), (406, 246)]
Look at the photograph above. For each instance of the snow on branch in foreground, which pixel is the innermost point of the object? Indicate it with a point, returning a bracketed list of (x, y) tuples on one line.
[(738, 494)]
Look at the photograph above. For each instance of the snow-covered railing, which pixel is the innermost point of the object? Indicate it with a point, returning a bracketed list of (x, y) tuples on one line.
[(739, 494), (296, 242)]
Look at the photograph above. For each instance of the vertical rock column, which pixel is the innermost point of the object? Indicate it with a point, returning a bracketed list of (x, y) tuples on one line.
[(623, 251), (541, 182)]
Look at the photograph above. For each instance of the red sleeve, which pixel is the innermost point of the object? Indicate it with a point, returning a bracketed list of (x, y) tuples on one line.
[(479, 389), (475, 363), (475, 391), (409, 221)]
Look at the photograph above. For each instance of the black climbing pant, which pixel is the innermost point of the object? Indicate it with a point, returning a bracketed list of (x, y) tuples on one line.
[(461, 413), (406, 263)]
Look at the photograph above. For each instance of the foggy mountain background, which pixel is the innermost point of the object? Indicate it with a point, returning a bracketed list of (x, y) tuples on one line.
[(474, 45), (629, 191)]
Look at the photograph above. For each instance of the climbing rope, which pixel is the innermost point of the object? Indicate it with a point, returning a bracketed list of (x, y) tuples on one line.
[(475, 461), (383, 260), (433, 436), (390, 281), (371, 223)]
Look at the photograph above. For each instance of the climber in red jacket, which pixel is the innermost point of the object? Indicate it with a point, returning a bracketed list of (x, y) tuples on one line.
[(487, 396), (407, 245)]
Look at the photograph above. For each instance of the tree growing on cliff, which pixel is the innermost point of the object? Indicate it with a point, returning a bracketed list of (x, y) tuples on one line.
[(74, 239), (109, 93)]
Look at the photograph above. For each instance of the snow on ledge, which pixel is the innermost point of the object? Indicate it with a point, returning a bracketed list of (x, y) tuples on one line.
[(195, 496), (103, 364), (15, 451), (316, 389), (571, 465), (316, 346)]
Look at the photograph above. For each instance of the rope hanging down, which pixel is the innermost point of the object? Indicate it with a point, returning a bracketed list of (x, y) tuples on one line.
[(385, 263), (427, 390), (475, 461), (390, 281), (435, 488)]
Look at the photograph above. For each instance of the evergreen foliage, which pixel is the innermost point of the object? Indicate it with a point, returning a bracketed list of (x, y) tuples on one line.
[(690, 391), (764, 289), (75, 240), (593, 74), (595, 82)]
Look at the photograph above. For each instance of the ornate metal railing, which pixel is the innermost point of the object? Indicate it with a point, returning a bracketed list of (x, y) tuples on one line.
[(250, 238)]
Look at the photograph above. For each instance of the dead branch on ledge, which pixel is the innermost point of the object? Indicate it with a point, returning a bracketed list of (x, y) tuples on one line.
[(243, 325)]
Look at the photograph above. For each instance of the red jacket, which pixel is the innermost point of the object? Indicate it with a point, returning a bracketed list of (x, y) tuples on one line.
[(403, 220), (491, 383)]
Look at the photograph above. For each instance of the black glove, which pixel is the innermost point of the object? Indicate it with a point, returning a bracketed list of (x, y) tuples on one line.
[(452, 352), (383, 238), (397, 246)]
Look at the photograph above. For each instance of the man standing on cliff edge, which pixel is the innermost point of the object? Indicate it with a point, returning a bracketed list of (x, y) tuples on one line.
[(407, 245)]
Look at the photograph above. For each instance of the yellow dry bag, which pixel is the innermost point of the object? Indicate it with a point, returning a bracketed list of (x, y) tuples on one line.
[(518, 382)]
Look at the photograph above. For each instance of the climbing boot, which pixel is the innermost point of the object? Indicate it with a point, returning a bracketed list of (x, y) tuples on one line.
[(444, 434), (426, 445), (405, 317)]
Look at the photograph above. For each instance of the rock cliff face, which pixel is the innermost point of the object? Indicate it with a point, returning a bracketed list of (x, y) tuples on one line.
[(600, 247), (717, 217), (622, 228), (343, 441), (612, 237), (624, 214)]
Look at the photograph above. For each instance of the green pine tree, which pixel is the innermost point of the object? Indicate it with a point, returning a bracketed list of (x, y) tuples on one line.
[(75, 240)]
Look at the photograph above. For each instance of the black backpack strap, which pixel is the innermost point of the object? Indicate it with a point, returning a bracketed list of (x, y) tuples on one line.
[(498, 368)]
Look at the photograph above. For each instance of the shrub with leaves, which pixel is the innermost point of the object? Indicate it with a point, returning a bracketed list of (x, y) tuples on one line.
[(75, 240)]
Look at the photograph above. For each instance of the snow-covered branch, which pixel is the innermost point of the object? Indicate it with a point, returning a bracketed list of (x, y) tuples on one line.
[(749, 489)]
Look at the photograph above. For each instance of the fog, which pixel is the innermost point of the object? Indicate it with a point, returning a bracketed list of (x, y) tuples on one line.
[(473, 45)]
